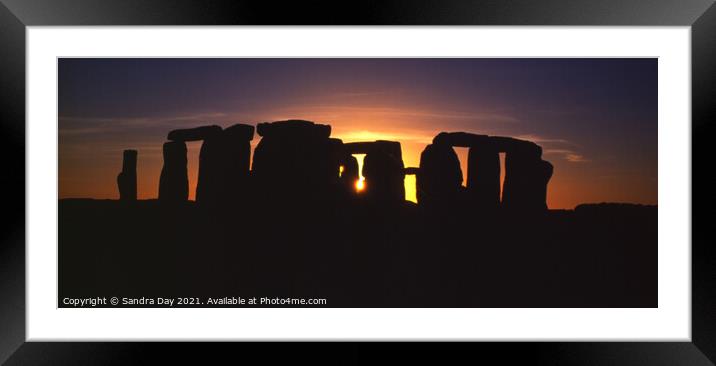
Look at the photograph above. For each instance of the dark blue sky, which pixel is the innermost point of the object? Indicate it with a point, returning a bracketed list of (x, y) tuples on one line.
[(595, 118)]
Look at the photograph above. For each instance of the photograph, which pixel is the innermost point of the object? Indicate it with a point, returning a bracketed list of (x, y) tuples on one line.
[(345, 182), (201, 181)]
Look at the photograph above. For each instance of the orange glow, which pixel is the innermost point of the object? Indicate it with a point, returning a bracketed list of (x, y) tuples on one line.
[(83, 175)]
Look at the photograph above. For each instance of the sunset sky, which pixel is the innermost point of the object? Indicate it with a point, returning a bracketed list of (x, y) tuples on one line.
[(596, 119)]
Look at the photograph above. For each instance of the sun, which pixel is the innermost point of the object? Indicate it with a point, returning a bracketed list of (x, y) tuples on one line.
[(360, 184)]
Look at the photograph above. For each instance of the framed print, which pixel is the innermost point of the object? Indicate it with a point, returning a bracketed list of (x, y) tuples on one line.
[(521, 177)]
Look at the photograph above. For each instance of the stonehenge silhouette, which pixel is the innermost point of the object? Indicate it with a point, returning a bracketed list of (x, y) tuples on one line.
[(298, 159), (286, 219), (127, 178)]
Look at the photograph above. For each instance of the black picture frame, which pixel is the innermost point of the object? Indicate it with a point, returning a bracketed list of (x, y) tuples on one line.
[(16, 15)]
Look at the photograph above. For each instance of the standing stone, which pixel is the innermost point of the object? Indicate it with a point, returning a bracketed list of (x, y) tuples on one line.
[(236, 161), (483, 176), (516, 176), (293, 159), (439, 179), (524, 180), (523, 174), (224, 161), (545, 172), (330, 165), (173, 181), (210, 181), (127, 178), (384, 176), (350, 174)]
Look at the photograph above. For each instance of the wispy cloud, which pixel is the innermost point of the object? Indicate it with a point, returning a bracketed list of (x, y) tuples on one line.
[(542, 140), (70, 125), (568, 155), (144, 120), (563, 148), (576, 158)]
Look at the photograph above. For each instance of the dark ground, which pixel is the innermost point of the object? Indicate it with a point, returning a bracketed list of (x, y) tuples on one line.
[(358, 255)]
